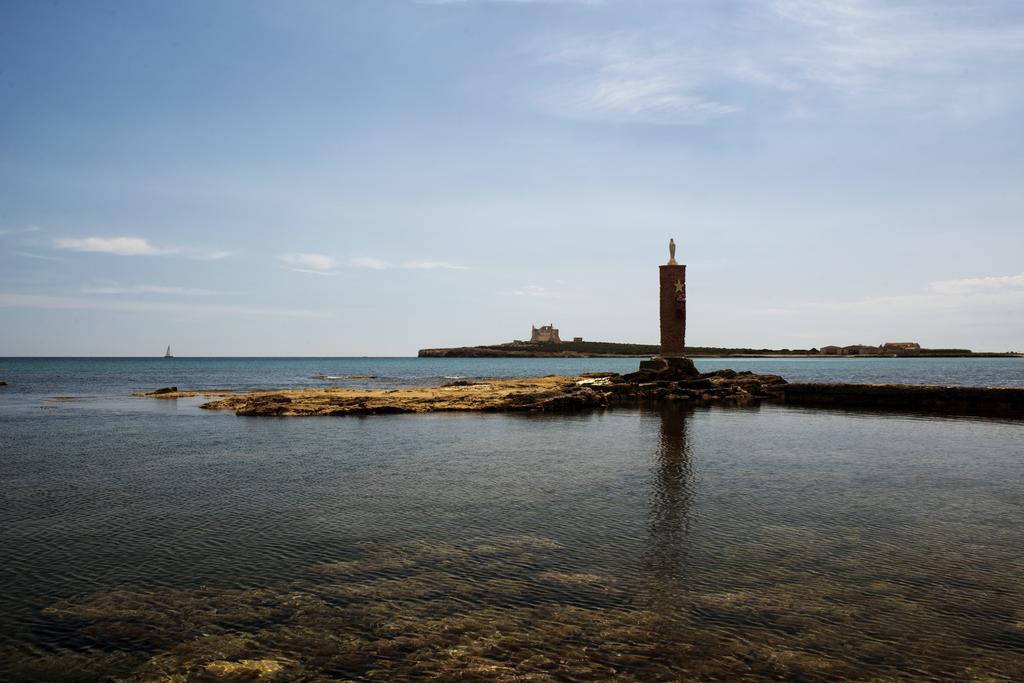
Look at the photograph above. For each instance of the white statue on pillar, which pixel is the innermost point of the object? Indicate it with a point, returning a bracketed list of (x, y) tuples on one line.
[(672, 253)]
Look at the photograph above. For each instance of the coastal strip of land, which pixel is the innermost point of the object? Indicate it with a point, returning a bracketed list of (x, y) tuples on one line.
[(587, 349)]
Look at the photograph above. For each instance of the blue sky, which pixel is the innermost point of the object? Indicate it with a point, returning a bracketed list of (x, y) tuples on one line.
[(369, 177)]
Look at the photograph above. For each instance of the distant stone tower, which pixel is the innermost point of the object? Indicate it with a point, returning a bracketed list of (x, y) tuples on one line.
[(673, 305), (545, 334)]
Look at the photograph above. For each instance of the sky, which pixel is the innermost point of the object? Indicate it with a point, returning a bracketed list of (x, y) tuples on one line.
[(372, 177)]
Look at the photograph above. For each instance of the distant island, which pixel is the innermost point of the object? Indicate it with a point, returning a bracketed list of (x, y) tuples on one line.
[(595, 349), (586, 349)]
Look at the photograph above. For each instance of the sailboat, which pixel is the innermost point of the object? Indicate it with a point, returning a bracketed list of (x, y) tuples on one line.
[(168, 354)]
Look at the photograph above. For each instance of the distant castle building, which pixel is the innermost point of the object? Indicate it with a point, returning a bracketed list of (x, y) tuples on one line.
[(545, 334), (902, 348)]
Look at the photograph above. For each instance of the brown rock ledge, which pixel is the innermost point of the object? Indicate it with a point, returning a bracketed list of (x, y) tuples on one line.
[(553, 393), (1004, 401)]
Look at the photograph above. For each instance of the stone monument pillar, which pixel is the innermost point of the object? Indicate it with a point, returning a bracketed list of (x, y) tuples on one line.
[(673, 305), (671, 364)]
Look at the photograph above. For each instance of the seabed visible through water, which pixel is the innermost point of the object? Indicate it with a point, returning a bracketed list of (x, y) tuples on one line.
[(763, 543)]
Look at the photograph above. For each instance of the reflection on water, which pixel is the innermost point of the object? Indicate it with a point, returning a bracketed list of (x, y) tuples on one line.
[(671, 493), (755, 544)]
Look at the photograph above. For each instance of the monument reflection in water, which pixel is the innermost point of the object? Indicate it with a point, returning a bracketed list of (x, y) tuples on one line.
[(671, 497)]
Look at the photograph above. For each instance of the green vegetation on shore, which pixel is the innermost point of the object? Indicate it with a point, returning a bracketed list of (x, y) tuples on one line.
[(609, 348)]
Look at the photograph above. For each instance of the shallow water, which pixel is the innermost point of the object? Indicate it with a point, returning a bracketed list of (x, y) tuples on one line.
[(151, 539)]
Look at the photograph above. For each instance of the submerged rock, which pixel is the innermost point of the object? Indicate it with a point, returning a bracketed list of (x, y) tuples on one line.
[(530, 608), (246, 669)]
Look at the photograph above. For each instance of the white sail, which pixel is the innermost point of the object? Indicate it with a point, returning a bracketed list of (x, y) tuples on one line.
[(168, 354)]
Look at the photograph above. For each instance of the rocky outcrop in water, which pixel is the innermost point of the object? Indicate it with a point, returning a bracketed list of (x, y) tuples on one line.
[(550, 394), (664, 368), (657, 380)]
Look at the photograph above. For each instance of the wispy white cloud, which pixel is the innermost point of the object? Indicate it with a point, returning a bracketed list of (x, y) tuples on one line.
[(432, 265), (963, 313), (18, 231), (374, 263), (1002, 292), (905, 55), (330, 273), (15, 300), (135, 246), (147, 289), (640, 99), (369, 262), (119, 246), (536, 291), (624, 78), (851, 44), (976, 285), (209, 255), (320, 264), (42, 257)]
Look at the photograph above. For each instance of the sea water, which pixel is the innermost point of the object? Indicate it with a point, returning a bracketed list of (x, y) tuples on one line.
[(148, 539), (118, 376)]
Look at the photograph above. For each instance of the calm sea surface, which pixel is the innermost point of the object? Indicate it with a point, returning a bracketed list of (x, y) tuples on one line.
[(117, 376), (151, 540)]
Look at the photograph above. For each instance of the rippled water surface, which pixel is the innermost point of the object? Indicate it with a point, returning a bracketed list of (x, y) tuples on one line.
[(151, 540), (117, 376)]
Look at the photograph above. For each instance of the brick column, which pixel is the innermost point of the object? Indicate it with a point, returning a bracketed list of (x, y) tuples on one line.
[(673, 310)]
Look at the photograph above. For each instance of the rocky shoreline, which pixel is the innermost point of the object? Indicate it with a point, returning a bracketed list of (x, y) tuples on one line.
[(658, 380), (654, 382)]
